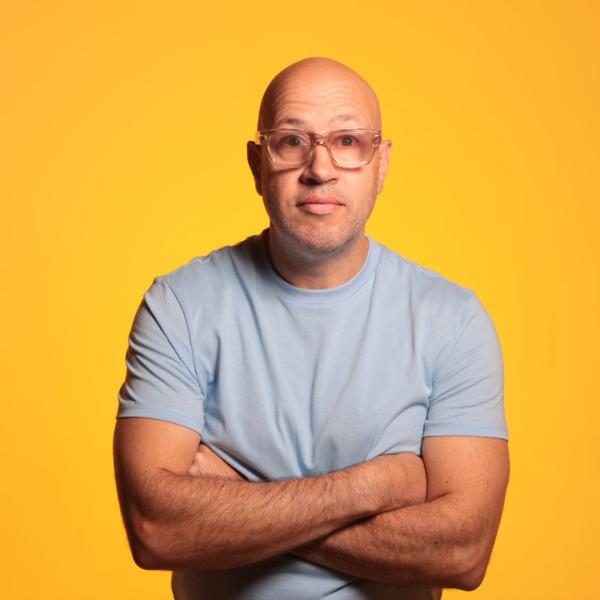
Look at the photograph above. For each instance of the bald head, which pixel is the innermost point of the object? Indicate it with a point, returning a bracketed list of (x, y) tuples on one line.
[(318, 209), (315, 82)]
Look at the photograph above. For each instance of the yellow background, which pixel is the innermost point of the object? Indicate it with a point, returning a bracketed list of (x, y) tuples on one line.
[(122, 135)]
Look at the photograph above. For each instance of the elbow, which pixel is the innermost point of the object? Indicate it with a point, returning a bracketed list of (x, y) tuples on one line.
[(145, 549), (145, 559), (469, 569), (155, 546), (468, 582), (457, 567)]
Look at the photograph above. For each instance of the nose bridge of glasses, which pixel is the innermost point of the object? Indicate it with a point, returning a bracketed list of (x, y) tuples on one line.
[(320, 140)]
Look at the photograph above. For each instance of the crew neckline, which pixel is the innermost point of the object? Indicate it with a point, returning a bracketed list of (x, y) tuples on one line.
[(321, 295)]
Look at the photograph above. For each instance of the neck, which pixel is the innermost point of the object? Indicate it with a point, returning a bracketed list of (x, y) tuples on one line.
[(309, 271)]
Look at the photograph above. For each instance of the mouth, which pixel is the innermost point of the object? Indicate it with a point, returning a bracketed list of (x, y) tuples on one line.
[(320, 205)]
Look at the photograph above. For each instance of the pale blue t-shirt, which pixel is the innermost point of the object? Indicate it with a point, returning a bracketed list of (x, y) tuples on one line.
[(286, 382)]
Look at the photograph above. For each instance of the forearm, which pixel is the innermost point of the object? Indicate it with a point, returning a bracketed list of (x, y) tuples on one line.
[(445, 541), (200, 523), (424, 545)]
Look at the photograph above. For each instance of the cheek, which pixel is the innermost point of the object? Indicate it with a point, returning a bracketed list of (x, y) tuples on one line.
[(363, 189), (277, 188)]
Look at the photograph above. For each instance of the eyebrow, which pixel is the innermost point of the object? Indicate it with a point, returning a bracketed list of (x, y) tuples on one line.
[(345, 117), (291, 121), (301, 123)]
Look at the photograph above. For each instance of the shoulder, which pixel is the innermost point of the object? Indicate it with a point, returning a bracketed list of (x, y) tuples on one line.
[(432, 306), (206, 277), (425, 289)]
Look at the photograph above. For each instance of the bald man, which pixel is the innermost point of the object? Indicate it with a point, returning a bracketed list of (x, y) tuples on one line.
[(307, 414)]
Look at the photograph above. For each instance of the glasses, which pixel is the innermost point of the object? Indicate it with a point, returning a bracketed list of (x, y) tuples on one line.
[(347, 148)]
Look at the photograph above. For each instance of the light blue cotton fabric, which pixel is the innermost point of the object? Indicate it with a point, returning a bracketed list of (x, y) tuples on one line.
[(287, 382)]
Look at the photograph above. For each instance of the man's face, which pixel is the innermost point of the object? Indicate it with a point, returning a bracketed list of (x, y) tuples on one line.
[(319, 104)]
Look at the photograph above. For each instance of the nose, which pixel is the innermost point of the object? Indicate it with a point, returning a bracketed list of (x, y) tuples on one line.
[(319, 168)]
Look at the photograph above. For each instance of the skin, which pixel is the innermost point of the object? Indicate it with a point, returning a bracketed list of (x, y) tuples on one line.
[(396, 519), (444, 539), (208, 520), (318, 250)]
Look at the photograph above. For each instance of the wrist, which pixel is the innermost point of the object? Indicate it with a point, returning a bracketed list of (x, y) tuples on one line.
[(415, 478), (397, 480), (371, 487)]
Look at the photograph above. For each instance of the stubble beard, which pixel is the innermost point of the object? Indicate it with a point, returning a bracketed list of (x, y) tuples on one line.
[(318, 241)]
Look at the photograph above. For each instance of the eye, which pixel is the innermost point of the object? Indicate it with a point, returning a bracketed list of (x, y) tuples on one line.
[(346, 140), (293, 140)]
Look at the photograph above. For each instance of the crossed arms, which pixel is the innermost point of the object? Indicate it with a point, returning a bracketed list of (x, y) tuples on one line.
[(395, 519)]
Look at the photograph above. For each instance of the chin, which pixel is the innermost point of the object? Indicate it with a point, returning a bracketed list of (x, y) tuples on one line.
[(321, 242)]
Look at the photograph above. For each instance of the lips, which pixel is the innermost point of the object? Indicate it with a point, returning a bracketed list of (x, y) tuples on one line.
[(320, 200), (320, 205)]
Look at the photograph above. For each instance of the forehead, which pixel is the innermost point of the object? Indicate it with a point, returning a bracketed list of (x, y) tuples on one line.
[(322, 104)]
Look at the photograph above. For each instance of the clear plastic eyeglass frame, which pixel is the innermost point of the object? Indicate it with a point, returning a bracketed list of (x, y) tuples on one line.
[(262, 139)]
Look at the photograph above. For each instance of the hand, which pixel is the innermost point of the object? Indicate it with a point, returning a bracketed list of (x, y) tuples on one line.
[(208, 464)]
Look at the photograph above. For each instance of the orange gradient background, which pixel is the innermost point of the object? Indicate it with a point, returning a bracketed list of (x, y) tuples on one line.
[(122, 156)]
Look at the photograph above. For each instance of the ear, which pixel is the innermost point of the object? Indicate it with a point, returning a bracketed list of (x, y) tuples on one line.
[(254, 154), (385, 151)]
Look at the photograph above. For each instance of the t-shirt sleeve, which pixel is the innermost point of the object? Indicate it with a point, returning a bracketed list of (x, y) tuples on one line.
[(467, 395), (161, 380)]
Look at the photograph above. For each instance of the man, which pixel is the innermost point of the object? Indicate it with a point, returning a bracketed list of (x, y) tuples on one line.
[(307, 413)]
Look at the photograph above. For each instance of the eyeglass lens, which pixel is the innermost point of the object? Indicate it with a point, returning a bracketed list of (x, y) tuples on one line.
[(347, 148)]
